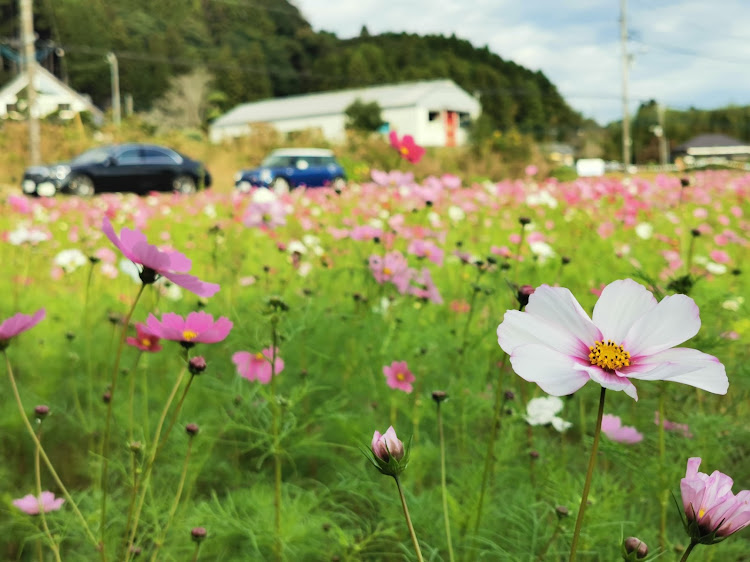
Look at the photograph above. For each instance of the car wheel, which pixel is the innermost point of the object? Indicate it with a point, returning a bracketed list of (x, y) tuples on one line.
[(280, 186), (81, 185), (184, 184), (338, 183)]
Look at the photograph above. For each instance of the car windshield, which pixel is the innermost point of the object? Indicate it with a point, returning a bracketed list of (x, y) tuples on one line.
[(93, 156), (277, 161)]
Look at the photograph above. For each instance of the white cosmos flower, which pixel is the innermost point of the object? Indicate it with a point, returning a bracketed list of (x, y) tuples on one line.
[(70, 260), (544, 410), (456, 214), (631, 335), (716, 268), (644, 230)]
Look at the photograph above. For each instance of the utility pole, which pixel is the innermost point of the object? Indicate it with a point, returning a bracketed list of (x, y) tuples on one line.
[(29, 59), (115, 74), (625, 67), (663, 152)]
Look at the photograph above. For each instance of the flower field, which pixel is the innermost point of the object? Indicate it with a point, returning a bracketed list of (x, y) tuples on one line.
[(198, 377)]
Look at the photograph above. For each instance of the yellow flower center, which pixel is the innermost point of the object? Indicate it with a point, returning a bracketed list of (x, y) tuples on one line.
[(146, 342), (189, 335), (404, 151), (701, 512), (400, 377), (387, 271), (259, 355), (609, 356)]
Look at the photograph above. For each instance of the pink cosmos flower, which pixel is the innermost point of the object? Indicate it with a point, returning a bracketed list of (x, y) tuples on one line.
[(31, 504), (612, 427), (392, 267), (387, 445), (426, 249), (144, 339), (398, 376), (17, 324), (710, 506), (555, 344), (406, 147), (172, 264), (257, 366), (198, 327), (673, 426)]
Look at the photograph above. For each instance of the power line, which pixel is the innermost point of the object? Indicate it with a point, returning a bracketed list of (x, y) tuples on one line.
[(691, 53)]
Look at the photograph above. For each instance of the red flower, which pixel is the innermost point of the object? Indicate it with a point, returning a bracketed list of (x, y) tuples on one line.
[(406, 147)]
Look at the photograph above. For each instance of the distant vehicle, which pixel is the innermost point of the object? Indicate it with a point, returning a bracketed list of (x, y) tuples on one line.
[(138, 168), (287, 168)]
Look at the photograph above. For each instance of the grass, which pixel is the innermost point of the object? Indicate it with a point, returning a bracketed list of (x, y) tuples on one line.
[(335, 338)]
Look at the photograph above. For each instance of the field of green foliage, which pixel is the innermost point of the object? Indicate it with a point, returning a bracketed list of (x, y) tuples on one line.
[(347, 285)]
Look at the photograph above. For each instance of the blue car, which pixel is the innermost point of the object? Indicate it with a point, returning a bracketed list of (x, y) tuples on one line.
[(287, 168)]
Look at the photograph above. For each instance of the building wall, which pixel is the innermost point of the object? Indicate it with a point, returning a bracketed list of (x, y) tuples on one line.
[(49, 97)]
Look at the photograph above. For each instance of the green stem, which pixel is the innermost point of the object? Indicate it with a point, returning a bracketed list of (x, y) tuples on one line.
[(276, 443), (133, 491), (589, 474), (46, 460), (688, 550), (408, 520), (150, 462), (38, 478), (491, 443), (197, 550), (131, 396), (443, 484), (518, 254), (662, 472), (176, 411), (546, 546), (108, 421), (175, 503)]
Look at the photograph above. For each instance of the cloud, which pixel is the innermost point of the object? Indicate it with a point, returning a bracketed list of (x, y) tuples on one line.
[(684, 52)]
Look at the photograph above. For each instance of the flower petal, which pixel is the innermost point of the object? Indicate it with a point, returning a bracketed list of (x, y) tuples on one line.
[(192, 284), (558, 306), (612, 381), (555, 373), (674, 320), (683, 365), (620, 305)]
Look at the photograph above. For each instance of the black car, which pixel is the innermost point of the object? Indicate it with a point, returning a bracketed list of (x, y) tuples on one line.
[(138, 168)]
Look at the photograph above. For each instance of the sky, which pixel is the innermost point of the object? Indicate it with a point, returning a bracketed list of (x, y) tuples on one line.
[(683, 53)]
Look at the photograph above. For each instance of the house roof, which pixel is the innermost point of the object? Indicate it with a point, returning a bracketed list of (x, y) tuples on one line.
[(21, 81), (710, 140), (438, 94)]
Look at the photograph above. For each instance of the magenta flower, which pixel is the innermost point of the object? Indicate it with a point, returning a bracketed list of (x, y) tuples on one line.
[(713, 511), (257, 366), (198, 327), (398, 376), (673, 426), (612, 427), (154, 263), (555, 344), (31, 504), (406, 147), (426, 249), (394, 268), (144, 339), (17, 324), (387, 445)]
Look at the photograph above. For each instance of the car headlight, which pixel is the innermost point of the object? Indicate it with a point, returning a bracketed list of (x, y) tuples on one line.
[(237, 177), (266, 176), (61, 172)]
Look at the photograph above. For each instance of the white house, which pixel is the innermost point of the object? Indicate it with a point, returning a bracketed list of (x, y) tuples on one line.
[(434, 112), (52, 95)]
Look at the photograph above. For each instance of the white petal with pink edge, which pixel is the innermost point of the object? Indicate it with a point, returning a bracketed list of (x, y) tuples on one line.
[(556, 374), (620, 305), (558, 306), (523, 328), (674, 320), (686, 366), (611, 381)]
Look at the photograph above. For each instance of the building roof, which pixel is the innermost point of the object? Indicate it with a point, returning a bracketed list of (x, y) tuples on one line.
[(710, 140), (44, 80), (438, 94)]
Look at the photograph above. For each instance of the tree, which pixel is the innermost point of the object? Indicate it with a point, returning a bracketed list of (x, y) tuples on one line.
[(361, 116)]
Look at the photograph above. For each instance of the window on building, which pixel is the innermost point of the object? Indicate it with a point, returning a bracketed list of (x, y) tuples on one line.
[(11, 107), (433, 115), (464, 120), (63, 107)]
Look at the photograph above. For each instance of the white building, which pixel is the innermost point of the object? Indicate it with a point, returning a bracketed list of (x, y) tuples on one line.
[(434, 112), (52, 95)]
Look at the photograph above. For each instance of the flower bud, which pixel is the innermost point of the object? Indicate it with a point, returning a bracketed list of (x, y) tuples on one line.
[(562, 512), (198, 533), (192, 429), (41, 411), (633, 549), (389, 455), (196, 365), (439, 396), (524, 221), (523, 294)]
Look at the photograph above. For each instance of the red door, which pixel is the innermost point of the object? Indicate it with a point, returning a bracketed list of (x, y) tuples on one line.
[(450, 128)]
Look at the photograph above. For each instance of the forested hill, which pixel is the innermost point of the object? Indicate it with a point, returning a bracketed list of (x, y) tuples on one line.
[(262, 48)]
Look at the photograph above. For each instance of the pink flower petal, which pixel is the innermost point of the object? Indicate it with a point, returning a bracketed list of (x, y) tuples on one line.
[(620, 305), (612, 381), (193, 284), (556, 373), (674, 320), (683, 365)]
